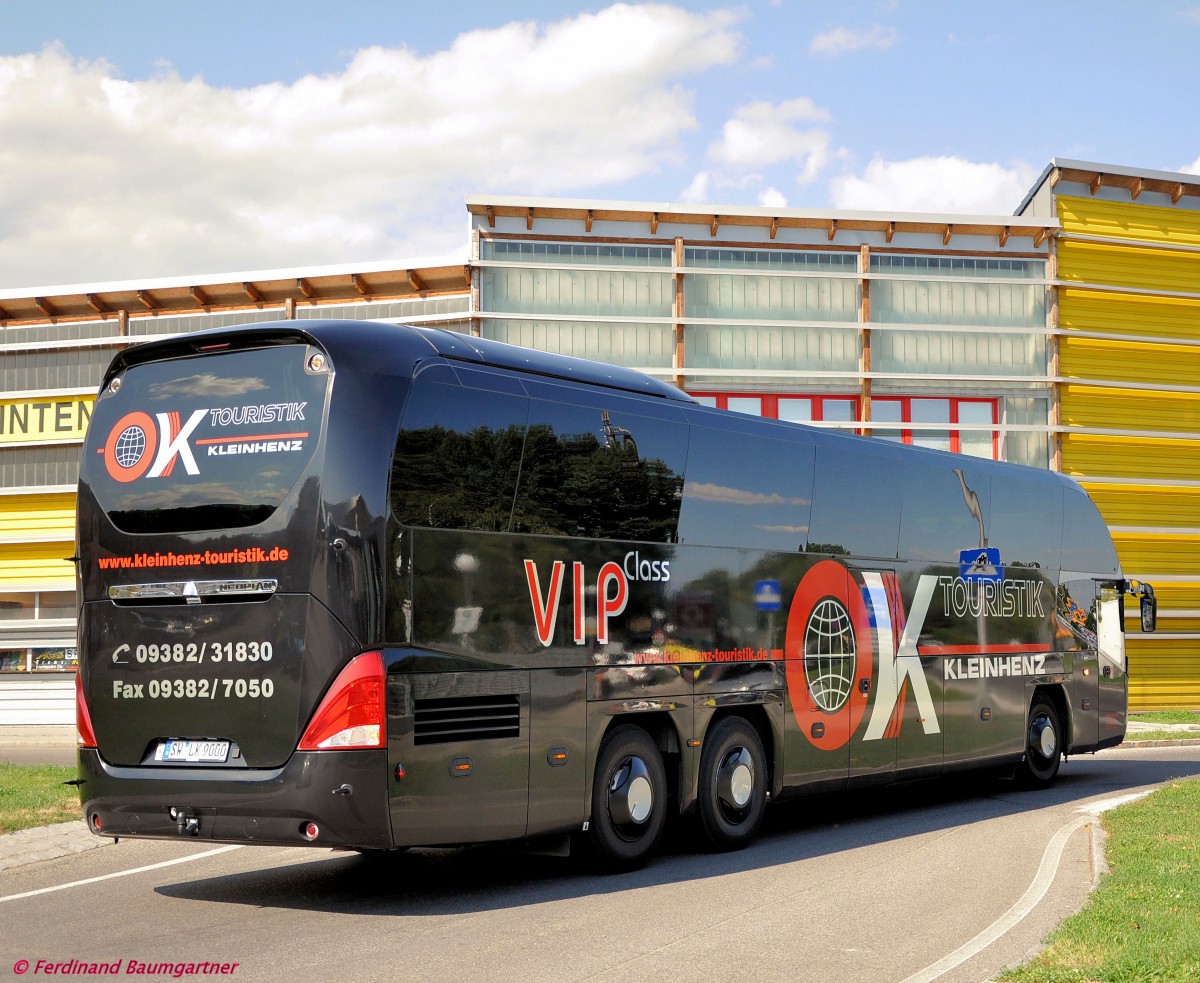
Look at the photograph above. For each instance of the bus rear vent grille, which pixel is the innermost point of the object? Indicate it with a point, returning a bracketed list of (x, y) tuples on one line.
[(468, 718)]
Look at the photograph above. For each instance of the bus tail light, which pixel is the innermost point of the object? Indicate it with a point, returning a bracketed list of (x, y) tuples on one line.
[(85, 736), (352, 713)]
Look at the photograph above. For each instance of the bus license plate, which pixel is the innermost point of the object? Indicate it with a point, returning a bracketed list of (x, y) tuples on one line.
[(192, 751)]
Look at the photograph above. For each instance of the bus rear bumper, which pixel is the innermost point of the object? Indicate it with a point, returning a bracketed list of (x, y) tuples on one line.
[(318, 798)]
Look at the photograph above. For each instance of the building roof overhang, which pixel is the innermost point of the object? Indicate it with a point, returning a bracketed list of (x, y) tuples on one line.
[(264, 288), (710, 219)]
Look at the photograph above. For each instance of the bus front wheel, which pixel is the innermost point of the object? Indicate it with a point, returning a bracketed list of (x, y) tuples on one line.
[(629, 799), (733, 784), (1043, 744)]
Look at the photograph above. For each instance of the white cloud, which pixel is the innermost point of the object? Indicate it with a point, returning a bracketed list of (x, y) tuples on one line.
[(843, 40), (109, 178), (934, 184), (772, 198), (1192, 168), (763, 135)]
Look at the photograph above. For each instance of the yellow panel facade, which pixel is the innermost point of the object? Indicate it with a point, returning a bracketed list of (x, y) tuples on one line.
[(37, 517), (1163, 672), (1092, 358), (1131, 409), (1163, 488), (1129, 314), (36, 565), (1129, 266), (1140, 505), (1130, 457), (1129, 220)]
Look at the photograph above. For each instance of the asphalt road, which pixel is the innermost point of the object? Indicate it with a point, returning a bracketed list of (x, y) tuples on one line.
[(881, 886)]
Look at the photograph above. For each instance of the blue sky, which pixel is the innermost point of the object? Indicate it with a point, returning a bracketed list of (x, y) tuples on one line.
[(146, 139)]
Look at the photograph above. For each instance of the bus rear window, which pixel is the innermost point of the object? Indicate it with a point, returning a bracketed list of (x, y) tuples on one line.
[(206, 442)]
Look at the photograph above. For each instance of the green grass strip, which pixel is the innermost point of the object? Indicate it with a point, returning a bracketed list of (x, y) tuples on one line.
[(1165, 717), (34, 795), (1142, 924)]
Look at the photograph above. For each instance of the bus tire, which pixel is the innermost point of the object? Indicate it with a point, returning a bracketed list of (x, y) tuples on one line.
[(1043, 744), (629, 799), (733, 784)]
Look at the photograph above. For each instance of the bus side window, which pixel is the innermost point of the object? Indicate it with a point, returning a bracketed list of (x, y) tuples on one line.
[(457, 457), (748, 491), (600, 473), (1022, 523), (947, 504), (856, 502), (1087, 544)]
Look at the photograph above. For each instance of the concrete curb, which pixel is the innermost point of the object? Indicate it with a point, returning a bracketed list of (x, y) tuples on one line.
[(27, 846)]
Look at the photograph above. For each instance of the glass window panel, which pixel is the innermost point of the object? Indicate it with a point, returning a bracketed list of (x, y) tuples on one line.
[(931, 411), (1027, 447), (976, 443), (710, 401), (573, 292), (734, 346), (56, 604), (795, 409), (16, 607), (628, 343), (1024, 520), (887, 411), (839, 410), (745, 404)]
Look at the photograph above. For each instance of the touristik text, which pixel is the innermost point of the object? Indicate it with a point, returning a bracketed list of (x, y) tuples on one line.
[(138, 561)]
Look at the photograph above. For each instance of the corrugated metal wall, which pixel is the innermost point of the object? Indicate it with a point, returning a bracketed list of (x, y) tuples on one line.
[(1134, 413), (37, 533)]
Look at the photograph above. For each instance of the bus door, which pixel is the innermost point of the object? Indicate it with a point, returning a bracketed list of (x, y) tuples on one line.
[(1114, 676), (828, 653)]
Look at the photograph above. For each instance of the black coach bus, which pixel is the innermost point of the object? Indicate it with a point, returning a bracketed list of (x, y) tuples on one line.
[(371, 586)]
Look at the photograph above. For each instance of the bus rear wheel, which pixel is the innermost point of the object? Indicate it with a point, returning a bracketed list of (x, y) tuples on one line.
[(1043, 744), (629, 799), (733, 784)]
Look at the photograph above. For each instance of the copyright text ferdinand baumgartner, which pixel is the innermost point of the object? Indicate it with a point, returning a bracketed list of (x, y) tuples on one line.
[(125, 967)]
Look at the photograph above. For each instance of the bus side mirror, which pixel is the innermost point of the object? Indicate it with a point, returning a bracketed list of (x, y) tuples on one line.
[(1149, 612)]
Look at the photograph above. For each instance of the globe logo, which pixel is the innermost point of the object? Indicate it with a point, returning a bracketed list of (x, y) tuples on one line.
[(829, 655), (130, 446)]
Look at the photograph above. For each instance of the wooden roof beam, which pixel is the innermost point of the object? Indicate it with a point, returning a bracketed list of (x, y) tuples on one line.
[(529, 220), (1097, 182), (774, 226), (1055, 177), (1177, 194), (148, 300), (467, 274), (1042, 235), (98, 305), (491, 217), (1004, 234), (4, 315), (654, 223), (45, 306), (415, 281), (948, 234), (714, 225), (360, 284), (587, 222), (305, 288), (199, 296), (1138, 186), (890, 233), (832, 229), (252, 292)]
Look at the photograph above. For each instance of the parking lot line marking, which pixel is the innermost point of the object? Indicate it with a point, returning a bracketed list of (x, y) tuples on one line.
[(120, 873)]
